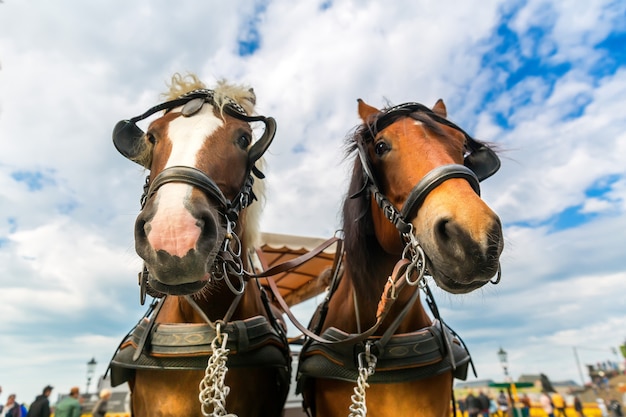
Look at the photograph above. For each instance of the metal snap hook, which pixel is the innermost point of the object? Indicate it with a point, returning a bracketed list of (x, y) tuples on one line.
[(417, 262), (498, 276)]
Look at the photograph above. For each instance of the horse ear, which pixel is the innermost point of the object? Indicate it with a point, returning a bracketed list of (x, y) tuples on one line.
[(440, 109), (366, 111)]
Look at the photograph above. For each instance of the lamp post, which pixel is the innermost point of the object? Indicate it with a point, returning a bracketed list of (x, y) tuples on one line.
[(503, 357), (91, 370)]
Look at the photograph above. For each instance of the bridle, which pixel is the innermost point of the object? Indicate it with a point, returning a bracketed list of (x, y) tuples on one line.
[(126, 138), (480, 162)]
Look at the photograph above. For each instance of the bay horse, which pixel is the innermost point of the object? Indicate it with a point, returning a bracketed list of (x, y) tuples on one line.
[(195, 230), (413, 209)]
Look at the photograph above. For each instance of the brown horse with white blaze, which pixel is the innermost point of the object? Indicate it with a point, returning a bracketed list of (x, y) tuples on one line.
[(196, 228), (413, 209)]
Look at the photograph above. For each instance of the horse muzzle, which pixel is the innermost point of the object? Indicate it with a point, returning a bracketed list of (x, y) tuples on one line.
[(462, 264), (179, 248)]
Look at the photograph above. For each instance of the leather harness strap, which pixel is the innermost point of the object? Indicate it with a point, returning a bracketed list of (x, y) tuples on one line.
[(388, 298), (296, 262)]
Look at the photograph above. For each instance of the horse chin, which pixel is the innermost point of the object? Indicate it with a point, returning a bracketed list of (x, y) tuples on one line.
[(189, 288), (453, 286)]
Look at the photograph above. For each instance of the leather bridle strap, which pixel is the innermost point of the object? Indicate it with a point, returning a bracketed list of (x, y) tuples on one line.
[(197, 178), (296, 262), (191, 176), (432, 180)]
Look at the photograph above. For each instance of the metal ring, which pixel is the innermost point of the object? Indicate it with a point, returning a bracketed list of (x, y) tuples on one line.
[(232, 287), (498, 276), (414, 265)]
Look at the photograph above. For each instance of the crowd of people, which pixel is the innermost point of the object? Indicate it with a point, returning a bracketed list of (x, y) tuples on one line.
[(69, 406), (481, 404)]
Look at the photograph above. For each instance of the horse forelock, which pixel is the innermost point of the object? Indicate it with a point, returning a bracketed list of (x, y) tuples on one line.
[(224, 90)]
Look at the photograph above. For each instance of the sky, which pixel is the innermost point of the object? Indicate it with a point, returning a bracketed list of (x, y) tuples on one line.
[(544, 81)]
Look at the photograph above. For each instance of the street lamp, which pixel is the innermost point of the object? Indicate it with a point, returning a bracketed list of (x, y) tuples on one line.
[(502, 355), (91, 370)]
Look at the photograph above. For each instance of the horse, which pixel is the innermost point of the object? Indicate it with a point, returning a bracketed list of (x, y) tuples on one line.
[(195, 231), (413, 209)]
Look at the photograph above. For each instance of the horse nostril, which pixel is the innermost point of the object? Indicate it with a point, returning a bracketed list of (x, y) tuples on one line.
[(444, 229), (140, 228), (207, 222)]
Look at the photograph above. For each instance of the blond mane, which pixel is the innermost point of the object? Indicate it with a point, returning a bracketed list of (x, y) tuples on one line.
[(245, 97)]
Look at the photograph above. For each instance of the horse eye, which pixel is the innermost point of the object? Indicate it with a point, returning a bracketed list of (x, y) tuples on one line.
[(151, 138), (243, 141), (381, 147)]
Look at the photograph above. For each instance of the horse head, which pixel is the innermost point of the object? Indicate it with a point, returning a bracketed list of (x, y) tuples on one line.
[(417, 180), (202, 155)]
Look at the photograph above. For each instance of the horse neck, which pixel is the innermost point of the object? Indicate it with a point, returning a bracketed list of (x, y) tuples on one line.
[(214, 305), (363, 290)]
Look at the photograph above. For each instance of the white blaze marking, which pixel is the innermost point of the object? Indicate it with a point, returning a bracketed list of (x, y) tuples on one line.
[(188, 134), (173, 228)]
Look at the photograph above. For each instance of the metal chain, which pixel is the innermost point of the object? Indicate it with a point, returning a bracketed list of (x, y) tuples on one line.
[(213, 392), (367, 367), (358, 408)]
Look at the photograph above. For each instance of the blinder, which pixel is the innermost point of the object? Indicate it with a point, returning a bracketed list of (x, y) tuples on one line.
[(127, 135)]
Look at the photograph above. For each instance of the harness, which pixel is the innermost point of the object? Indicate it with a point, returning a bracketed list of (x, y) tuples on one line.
[(253, 342), (390, 358), (212, 346)]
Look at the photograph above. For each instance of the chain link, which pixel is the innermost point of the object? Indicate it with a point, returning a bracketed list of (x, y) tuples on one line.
[(358, 408), (213, 392), (367, 366)]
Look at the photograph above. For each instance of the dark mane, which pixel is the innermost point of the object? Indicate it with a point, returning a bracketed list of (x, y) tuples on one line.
[(360, 241)]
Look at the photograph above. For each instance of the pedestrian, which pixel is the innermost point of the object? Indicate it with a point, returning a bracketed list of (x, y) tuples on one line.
[(100, 409), (41, 406), (578, 406), (503, 403), (602, 406), (69, 406), (526, 404), (471, 405), (559, 405), (493, 408), (616, 408), (483, 404), (12, 408), (546, 404)]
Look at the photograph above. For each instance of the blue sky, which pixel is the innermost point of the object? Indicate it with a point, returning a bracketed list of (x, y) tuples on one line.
[(544, 81)]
